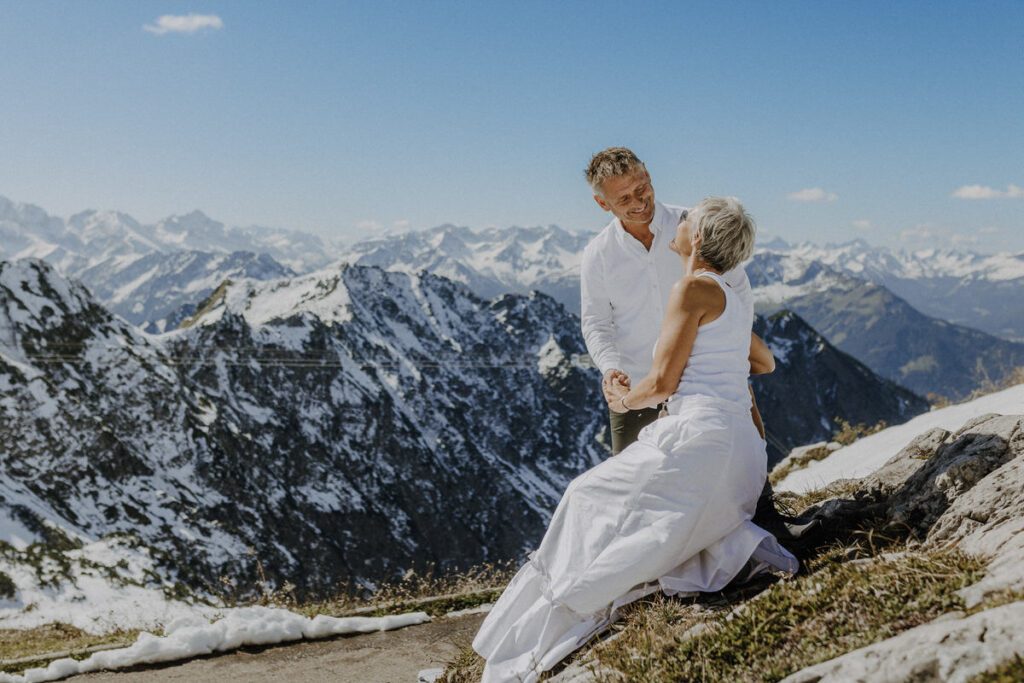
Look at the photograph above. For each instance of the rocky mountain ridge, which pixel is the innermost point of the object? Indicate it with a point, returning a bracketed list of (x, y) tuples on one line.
[(815, 385), (325, 423), (328, 448), (91, 237), (972, 289)]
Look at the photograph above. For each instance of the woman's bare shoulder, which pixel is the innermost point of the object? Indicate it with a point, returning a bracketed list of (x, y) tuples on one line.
[(697, 292)]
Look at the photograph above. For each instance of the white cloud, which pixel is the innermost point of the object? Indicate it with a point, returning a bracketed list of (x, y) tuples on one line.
[(401, 224), (963, 239), (813, 194), (985, 192), (184, 23), (368, 226), (862, 224), (989, 230)]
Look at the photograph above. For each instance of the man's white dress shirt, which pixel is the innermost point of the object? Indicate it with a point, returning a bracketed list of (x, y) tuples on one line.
[(624, 289)]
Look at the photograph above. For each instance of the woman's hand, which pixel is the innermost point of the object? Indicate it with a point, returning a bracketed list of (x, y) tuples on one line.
[(611, 379), (614, 392)]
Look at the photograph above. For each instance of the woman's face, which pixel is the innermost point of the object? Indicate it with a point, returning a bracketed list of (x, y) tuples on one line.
[(682, 243)]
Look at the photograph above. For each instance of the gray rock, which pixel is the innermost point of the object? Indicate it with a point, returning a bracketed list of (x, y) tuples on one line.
[(962, 490), (944, 650)]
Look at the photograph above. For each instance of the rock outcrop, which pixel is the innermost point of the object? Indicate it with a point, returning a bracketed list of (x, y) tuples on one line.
[(964, 490)]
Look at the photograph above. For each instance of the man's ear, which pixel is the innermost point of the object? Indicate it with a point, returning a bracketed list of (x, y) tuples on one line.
[(602, 203)]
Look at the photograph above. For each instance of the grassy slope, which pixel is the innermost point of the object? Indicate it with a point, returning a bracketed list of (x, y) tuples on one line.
[(855, 588)]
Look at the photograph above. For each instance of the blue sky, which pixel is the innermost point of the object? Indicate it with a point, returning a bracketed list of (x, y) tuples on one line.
[(350, 118)]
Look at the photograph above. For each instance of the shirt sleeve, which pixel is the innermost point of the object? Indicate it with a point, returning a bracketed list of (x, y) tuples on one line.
[(596, 315)]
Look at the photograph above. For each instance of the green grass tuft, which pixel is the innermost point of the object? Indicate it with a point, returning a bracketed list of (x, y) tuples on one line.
[(794, 624)]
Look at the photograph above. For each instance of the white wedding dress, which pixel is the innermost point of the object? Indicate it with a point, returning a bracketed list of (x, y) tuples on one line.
[(670, 512)]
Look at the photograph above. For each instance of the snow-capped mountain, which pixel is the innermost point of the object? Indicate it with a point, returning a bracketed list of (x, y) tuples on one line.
[(980, 291), (879, 328), (815, 385), (92, 237), (900, 343), (824, 285), (153, 275), (341, 425), (976, 290), (28, 231), (490, 262), (344, 424), (160, 289), (868, 262)]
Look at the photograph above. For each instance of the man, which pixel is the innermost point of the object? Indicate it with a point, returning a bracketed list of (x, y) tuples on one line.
[(626, 277)]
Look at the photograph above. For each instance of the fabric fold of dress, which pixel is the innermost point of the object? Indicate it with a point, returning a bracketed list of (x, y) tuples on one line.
[(671, 512)]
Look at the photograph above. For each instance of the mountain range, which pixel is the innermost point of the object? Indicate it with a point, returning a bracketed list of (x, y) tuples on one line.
[(325, 425), (885, 332), (341, 425), (321, 422), (970, 289), (815, 386)]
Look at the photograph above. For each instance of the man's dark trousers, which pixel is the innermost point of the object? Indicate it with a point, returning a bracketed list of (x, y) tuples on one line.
[(626, 426)]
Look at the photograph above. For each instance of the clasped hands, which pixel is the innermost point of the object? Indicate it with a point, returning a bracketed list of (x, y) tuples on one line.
[(615, 385)]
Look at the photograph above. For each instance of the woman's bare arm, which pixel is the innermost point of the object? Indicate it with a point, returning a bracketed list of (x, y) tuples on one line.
[(691, 299), (762, 361)]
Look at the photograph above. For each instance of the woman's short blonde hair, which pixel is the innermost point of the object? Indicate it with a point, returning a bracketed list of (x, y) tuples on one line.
[(726, 230)]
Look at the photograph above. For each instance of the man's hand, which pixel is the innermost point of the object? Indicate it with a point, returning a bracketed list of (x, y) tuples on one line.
[(615, 385)]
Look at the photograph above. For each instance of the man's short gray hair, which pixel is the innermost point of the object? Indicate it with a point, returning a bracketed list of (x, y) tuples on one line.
[(726, 230), (611, 162)]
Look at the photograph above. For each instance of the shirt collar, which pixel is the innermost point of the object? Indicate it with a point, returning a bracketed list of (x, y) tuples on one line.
[(661, 216)]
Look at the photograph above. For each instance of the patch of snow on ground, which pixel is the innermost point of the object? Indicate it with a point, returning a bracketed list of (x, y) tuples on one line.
[(90, 599), (866, 455), (193, 636)]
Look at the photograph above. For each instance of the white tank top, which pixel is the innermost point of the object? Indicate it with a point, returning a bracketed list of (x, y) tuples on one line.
[(719, 363)]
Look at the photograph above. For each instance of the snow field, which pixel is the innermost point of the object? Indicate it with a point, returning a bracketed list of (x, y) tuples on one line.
[(866, 455)]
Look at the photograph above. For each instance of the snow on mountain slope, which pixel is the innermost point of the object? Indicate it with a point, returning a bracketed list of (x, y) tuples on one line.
[(867, 454), (28, 231), (158, 290), (93, 237), (857, 257), (330, 434), (489, 262), (976, 290)]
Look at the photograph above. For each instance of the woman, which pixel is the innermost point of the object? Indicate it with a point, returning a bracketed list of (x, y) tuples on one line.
[(672, 511)]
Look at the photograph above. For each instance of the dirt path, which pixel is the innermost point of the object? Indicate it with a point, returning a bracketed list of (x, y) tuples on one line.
[(383, 657)]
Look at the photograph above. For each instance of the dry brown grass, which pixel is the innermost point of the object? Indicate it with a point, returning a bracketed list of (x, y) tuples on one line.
[(24, 643), (855, 589), (427, 591), (838, 608)]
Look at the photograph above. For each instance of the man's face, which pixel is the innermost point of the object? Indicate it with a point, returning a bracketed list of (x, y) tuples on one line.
[(630, 198)]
